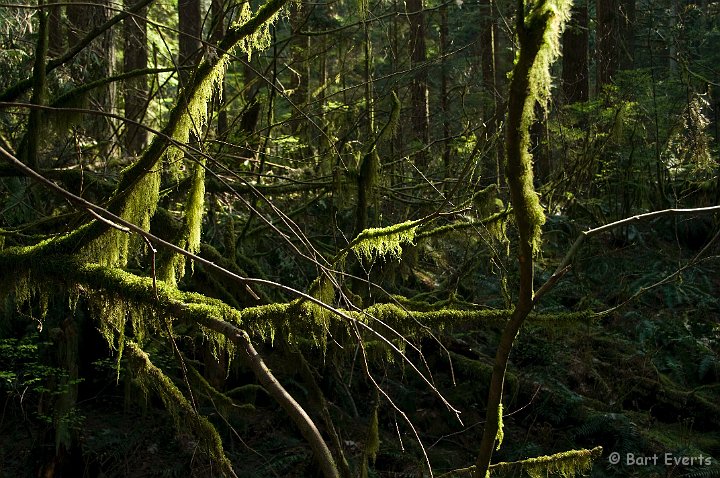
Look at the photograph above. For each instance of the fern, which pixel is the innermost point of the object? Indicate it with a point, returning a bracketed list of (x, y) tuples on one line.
[(708, 364), (712, 472)]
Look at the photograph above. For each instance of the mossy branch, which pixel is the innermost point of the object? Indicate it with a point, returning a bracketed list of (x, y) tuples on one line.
[(565, 464), (308, 429), (459, 226), (184, 414), (138, 188)]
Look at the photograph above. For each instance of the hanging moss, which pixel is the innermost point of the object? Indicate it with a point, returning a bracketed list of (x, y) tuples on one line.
[(492, 223), (372, 443), (322, 289), (379, 242), (500, 432), (113, 248), (372, 446), (172, 267), (539, 35)]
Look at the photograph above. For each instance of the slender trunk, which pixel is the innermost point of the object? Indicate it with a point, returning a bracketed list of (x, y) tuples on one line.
[(56, 45), (419, 89), (532, 36), (607, 42), (39, 94), (488, 54), (444, 106), (575, 79), (135, 90), (627, 34), (300, 76), (190, 33), (218, 31)]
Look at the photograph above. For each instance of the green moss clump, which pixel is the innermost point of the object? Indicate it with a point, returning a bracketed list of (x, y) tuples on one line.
[(566, 464), (379, 242)]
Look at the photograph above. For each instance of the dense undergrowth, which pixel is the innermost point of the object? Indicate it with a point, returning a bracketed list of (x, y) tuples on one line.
[(641, 381)]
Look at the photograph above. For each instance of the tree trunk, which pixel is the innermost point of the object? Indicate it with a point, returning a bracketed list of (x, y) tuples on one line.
[(300, 73), (627, 34), (95, 63), (419, 89), (575, 77), (488, 55), (444, 106), (537, 36), (607, 42), (218, 31), (190, 33), (56, 44), (135, 90)]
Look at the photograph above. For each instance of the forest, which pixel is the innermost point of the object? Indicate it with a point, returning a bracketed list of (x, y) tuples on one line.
[(357, 239)]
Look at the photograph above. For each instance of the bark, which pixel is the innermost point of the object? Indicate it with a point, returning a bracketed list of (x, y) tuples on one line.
[(135, 90), (614, 38), (575, 76), (96, 61), (57, 40), (419, 88), (607, 42), (189, 24)]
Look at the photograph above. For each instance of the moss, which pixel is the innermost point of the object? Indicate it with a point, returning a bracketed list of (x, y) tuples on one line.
[(172, 266), (379, 242), (566, 464), (420, 323), (372, 446), (494, 222), (500, 432), (539, 35), (186, 418), (222, 402)]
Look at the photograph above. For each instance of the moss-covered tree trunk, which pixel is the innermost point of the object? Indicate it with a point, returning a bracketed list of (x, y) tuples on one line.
[(538, 34)]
